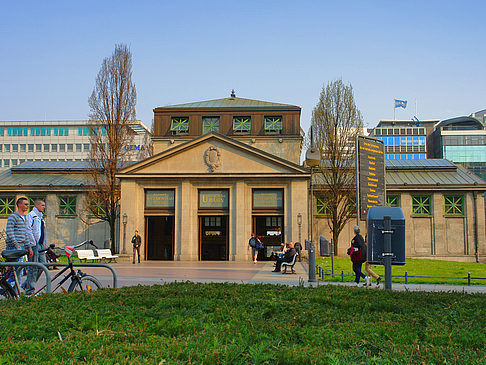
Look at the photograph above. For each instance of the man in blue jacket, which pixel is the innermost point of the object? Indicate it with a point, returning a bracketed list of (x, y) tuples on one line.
[(36, 232)]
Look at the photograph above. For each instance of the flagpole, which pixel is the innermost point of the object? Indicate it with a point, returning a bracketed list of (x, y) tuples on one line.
[(394, 110), (416, 108)]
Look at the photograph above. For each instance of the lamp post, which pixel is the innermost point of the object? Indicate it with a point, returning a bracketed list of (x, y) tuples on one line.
[(299, 223), (124, 221), (312, 159)]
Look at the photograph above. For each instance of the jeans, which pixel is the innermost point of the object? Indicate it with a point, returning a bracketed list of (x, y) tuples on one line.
[(33, 273), (357, 271), (135, 251)]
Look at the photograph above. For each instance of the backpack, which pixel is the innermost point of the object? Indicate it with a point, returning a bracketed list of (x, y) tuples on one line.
[(253, 242), (258, 244)]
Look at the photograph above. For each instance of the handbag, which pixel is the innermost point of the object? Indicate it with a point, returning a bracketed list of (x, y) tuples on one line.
[(356, 256)]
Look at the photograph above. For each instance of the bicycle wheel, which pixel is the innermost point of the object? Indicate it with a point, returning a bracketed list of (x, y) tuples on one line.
[(6, 291), (88, 283)]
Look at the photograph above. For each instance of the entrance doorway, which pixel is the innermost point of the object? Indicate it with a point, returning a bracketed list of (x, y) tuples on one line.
[(269, 229), (160, 238), (213, 238)]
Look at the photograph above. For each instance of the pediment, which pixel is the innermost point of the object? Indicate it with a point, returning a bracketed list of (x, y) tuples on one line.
[(213, 155)]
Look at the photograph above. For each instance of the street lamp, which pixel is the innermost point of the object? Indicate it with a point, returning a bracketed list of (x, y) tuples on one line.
[(312, 159), (124, 221), (299, 223)]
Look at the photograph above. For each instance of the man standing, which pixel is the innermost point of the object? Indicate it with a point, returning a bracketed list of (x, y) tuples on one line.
[(17, 229), (137, 242), (36, 231)]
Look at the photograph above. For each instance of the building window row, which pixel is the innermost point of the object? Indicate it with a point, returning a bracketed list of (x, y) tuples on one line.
[(405, 156), (422, 204), (44, 131), (66, 205), (47, 147), (463, 140), (404, 149), (241, 125), (6, 163), (403, 140), (416, 131)]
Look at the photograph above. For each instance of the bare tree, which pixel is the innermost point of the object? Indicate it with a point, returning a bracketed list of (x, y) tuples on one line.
[(336, 121), (112, 110)]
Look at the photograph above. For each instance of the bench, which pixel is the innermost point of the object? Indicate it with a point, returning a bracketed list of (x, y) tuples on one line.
[(106, 254), (87, 255), (289, 264)]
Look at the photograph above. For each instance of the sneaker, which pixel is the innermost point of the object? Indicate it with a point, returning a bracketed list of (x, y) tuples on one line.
[(255, 261), (378, 280), (357, 285), (368, 281)]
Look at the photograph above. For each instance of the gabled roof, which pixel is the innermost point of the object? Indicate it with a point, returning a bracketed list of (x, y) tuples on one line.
[(246, 152), (227, 103)]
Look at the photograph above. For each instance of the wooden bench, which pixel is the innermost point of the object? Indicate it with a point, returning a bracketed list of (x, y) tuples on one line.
[(87, 255), (289, 264), (106, 254)]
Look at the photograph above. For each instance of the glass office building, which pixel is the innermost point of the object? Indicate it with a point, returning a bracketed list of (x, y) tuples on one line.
[(404, 139), (461, 140)]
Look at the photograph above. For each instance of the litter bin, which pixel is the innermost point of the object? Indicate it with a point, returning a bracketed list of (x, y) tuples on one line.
[(324, 246), (376, 240)]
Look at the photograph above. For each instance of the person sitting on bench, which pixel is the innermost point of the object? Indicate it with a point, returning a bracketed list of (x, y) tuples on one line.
[(288, 256)]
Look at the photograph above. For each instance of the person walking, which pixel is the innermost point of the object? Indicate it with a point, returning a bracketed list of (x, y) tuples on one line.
[(255, 244), (17, 231), (137, 242), (36, 232), (357, 253)]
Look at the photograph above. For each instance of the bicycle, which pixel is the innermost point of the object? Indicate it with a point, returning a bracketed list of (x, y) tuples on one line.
[(6, 289), (80, 281)]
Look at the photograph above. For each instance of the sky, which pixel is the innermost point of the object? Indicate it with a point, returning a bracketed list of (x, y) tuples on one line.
[(430, 53)]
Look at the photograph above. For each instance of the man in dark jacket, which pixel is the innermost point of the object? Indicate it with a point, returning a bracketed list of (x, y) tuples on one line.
[(287, 257), (137, 242)]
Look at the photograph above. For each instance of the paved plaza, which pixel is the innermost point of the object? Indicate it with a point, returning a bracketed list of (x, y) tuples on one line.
[(160, 272)]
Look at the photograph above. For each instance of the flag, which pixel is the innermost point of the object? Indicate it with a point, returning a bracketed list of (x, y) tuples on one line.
[(400, 103)]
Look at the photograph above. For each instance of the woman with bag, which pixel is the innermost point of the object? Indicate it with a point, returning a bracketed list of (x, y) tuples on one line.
[(255, 244), (357, 253)]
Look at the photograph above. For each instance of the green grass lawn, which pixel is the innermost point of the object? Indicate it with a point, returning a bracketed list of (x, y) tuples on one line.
[(415, 267), (244, 324)]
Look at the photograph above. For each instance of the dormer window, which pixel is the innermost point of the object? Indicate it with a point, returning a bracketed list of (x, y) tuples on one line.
[(273, 125), (179, 126), (241, 125), (210, 124)]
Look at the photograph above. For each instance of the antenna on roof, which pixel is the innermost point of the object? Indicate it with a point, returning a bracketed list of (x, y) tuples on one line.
[(233, 95)]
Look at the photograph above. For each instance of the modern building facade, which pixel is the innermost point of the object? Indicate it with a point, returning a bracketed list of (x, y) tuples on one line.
[(222, 169), (404, 139), (56, 141), (461, 140)]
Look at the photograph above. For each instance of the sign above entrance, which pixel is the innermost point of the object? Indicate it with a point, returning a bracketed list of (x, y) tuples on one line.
[(268, 198), (213, 199), (159, 199)]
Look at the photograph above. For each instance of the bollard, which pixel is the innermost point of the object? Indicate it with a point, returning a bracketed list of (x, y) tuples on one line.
[(469, 278), (406, 277), (342, 276)]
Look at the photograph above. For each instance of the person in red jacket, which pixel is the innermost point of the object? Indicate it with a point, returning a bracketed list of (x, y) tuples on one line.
[(357, 252)]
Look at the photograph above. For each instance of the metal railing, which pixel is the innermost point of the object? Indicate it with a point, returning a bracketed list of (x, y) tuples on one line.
[(44, 268), (321, 272)]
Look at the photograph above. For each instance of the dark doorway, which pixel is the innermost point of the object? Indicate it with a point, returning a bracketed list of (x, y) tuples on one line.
[(269, 229), (213, 242), (160, 238)]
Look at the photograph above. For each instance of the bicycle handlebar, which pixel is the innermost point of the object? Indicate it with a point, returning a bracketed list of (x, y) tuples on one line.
[(51, 246)]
